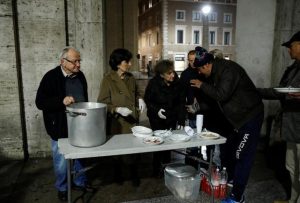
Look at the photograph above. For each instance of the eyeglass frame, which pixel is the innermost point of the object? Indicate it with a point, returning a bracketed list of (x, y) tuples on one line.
[(73, 62)]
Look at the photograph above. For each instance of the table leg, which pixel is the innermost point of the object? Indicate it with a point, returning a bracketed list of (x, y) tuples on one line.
[(69, 166), (209, 176)]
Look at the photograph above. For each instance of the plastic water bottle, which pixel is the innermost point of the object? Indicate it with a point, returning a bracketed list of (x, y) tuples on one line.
[(223, 183), (216, 177)]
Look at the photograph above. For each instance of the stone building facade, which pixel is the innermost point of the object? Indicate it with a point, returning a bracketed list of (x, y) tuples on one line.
[(168, 29)]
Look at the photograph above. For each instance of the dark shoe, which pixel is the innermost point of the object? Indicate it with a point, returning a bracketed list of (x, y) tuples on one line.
[(86, 188), (62, 195)]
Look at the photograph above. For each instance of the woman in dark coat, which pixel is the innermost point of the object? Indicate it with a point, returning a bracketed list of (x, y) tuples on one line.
[(165, 105)]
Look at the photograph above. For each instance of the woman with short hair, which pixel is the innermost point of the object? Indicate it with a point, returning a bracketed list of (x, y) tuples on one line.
[(119, 91), (165, 105)]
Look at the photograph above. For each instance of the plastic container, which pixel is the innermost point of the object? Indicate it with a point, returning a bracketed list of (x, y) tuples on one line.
[(183, 181)]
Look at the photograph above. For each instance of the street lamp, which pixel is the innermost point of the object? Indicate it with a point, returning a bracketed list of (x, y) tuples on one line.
[(205, 10)]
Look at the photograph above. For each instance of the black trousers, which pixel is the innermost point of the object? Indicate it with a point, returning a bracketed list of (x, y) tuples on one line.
[(159, 159)]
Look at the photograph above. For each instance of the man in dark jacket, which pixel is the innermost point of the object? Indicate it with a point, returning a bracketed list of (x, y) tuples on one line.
[(236, 95), (290, 108), (59, 88), (189, 92)]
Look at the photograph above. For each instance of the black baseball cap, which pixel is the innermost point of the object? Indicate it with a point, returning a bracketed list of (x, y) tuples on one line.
[(295, 37)]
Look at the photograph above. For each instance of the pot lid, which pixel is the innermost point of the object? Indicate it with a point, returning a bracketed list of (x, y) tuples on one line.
[(180, 170)]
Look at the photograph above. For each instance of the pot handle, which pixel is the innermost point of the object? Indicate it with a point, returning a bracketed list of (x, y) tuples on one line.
[(73, 114)]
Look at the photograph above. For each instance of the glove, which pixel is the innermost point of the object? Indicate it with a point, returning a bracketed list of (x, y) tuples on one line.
[(142, 105), (124, 111), (162, 116)]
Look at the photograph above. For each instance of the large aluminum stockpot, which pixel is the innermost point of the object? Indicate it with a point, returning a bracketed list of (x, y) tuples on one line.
[(86, 124)]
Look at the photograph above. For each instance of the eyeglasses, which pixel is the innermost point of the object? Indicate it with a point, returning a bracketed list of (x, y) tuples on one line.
[(75, 62)]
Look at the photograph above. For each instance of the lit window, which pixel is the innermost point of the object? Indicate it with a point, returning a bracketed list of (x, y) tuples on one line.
[(150, 3)]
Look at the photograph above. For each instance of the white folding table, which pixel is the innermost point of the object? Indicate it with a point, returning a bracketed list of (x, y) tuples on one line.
[(126, 144)]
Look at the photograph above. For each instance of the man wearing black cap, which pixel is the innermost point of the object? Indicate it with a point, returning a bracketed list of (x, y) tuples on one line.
[(229, 85), (290, 105)]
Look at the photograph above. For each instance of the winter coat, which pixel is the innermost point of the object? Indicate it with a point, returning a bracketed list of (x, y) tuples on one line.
[(234, 92), (116, 92), (49, 99), (290, 107), (159, 95)]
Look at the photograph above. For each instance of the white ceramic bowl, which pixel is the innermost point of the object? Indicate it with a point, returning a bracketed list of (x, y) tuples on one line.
[(141, 130), (142, 135), (179, 138)]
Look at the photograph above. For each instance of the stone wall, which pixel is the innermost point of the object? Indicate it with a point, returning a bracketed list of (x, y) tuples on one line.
[(42, 36), (10, 123)]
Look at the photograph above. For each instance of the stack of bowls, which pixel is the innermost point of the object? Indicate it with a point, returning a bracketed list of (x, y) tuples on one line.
[(141, 131)]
